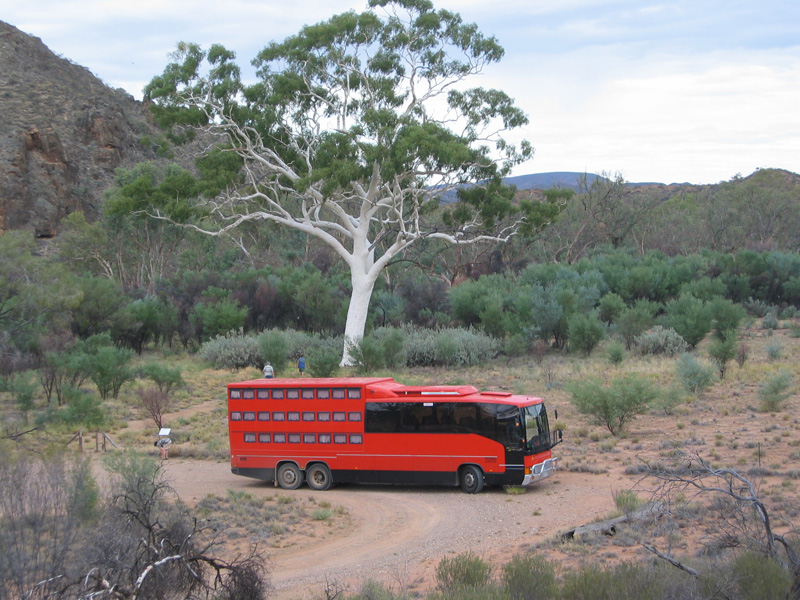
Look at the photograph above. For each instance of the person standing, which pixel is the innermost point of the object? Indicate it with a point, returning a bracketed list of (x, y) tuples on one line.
[(301, 365), (269, 372)]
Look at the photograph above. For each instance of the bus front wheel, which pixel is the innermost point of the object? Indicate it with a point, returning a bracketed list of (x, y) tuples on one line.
[(290, 477), (318, 477), (471, 479)]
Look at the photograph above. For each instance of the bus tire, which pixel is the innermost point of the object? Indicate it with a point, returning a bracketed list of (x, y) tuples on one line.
[(471, 479), (318, 477), (290, 477)]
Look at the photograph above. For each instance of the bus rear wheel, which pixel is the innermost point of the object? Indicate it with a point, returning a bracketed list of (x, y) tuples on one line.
[(471, 479), (290, 477), (318, 477)]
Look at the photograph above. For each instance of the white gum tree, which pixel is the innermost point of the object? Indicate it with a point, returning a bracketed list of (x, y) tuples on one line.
[(355, 127)]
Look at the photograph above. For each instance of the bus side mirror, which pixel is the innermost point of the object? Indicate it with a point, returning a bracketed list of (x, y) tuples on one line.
[(560, 436), (555, 413)]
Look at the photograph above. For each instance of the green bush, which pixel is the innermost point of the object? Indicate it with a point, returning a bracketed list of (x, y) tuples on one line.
[(634, 321), (616, 353), (722, 351), (110, 370), (694, 376), (273, 348), (775, 391), (610, 307), (462, 572), (613, 405), (660, 341), (529, 577), (233, 351), (760, 577), (585, 332), (770, 321), (367, 354), (323, 359)]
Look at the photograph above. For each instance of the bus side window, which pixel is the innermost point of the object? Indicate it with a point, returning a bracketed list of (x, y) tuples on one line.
[(262, 394), (307, 393)]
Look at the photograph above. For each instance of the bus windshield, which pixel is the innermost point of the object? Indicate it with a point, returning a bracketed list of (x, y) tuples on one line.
[(537, 429)]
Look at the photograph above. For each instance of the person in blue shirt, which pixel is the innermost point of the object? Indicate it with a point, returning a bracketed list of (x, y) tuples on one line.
[(301, 365)]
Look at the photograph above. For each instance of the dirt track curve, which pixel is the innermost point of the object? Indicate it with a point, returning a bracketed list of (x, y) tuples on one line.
[(398, 534)]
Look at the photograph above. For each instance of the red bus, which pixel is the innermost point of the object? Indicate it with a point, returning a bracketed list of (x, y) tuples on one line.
[(375, 430)]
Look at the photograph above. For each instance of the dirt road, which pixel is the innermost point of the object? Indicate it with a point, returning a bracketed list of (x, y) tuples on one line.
[(399, 534)]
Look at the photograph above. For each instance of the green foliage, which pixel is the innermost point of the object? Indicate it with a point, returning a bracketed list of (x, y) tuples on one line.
[(218, 314), (626, 501), (585, 332), (110, 370), (165, 378), (466, 571), (722, 351), (690, 317), (634, 321), (726, 317), (323, 359), (234, 351), (529, 577), (273, 348), (82, 409), (770, 321), (660, 341), (626, 581), (774, 392), (616, 353), (774, 351), (610, 307), (761, 577), (367, 354), (693, 375), (22, 387), (615, 404)]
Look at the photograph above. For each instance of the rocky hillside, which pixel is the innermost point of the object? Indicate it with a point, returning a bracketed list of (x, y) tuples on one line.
[(62, 134)]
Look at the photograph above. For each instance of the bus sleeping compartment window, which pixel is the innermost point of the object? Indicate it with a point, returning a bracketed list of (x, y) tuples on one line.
[(338, 416), (262, 394), (264, 438), (236, 416), (249, 416), (338, 394), (309, 438), (279, 438), (324, 438), (294, 438), (355, 438), (324, 416), (263, 416), (250, 438), (323, 394), (248, 394), (236, 394), (308, 416), (339, 438), (354, 393), (293, 416), (278, 416), (308, 393), (277, 394), (292, 394), (354, 416)]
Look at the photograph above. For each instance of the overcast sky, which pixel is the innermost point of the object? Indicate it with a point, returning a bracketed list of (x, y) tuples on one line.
[(670, 91)]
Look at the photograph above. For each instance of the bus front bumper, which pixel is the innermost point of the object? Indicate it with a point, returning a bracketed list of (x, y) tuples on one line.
[(541, 471)]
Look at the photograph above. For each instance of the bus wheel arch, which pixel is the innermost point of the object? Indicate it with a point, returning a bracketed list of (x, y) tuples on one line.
[(470, 478), (289, 476), (318, 476)]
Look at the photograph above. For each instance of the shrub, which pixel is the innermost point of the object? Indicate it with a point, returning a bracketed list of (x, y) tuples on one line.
[(690, 317), (616, 404), (528, 577), (585, 332), (660, 341), (611, 306), (463, 571), (693, 375), (367, 354), (626, 501), (232, 351), (616, 353), (324, 358), (775, 391), (770, 321), (722, 352), (742, 354), (634, 321), (110, 370), (774, 351), (274, 349), (726, 317)]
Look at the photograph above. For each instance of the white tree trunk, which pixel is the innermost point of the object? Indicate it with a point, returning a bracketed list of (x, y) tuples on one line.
[(363, 280)]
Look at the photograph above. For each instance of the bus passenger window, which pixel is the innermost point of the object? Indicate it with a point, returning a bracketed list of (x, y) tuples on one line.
[(277, 394), (250, 438), (309, 438), (354, 393), (293, 416), (324, 438), (264, 438), (292, 394), (338, 394), (323, 394), (248, 394), (236, 394), (324, 416), (354, 416), (307, 393), (279, 438), (294, 438), (236, 416), (355, 438), (339, 438), (262, 394), (249, 416), (338, 416), (278, 416), (263, 416), (308, 416)]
